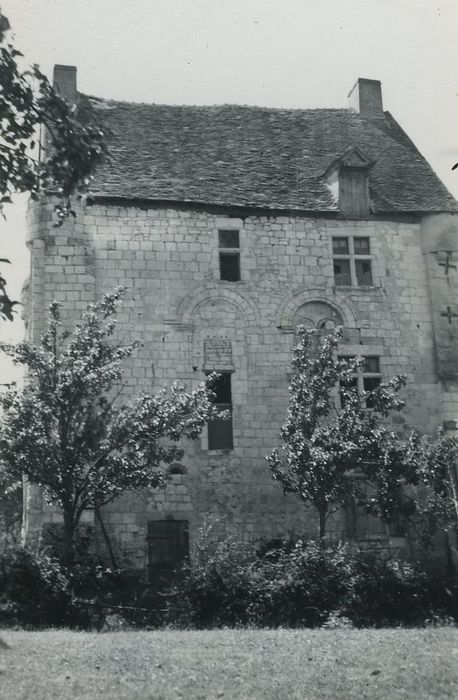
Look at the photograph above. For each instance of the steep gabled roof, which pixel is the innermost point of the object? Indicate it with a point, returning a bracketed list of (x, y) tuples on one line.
[(257, 157)]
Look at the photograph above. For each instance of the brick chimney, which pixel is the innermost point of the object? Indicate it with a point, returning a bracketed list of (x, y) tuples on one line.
[(366, 98), (64, 82)]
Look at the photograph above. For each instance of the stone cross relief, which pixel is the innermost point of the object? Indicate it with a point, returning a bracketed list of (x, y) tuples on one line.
[(449, 314), (447, 264)]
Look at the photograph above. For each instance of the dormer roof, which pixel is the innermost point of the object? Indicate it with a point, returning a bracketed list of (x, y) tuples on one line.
[(352, 158)]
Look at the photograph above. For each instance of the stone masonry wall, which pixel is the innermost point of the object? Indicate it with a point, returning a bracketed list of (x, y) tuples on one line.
[(177, 305)]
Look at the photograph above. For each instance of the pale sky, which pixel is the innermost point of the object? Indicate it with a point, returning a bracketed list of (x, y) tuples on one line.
[(282, 53)]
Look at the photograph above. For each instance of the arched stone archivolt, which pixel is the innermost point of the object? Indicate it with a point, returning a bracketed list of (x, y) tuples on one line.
[(189, 306), (317, 314), (294, 308)]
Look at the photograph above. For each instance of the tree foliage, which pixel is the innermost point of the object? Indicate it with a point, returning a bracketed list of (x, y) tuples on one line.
[(437, 498), (330, 434), (69, 431), (70, 150)]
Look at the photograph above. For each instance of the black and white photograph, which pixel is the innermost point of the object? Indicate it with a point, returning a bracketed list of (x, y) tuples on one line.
[(228, 350)]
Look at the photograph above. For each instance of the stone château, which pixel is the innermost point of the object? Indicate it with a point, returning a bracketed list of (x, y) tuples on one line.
[(229, 225)]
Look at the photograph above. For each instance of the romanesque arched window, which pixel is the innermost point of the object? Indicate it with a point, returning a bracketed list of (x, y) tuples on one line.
[(317, 315)]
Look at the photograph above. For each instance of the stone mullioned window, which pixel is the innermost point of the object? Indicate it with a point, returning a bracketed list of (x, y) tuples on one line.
[(352, 261)]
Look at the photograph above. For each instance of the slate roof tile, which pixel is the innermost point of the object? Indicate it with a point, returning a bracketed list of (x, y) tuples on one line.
[(256, 157)]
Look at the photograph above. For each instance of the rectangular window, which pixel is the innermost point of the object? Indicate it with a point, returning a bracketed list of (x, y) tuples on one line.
[(340, 246), (220, 435), (359, 522), (366, 380), (371, 377), (229, 255), (352, 261), (363, 273), (342, 275)]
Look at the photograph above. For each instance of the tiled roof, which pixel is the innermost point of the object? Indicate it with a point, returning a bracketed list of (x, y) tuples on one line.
[(257, 157)]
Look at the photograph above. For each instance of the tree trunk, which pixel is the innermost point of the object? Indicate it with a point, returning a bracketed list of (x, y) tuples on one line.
[(106, 538), (68, 544), (322, 516), (454, 487)]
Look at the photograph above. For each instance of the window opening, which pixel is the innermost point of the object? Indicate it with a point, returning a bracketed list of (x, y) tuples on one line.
[(229, 255), (360, 522), (352, 261), (220, 432), (366, 379)]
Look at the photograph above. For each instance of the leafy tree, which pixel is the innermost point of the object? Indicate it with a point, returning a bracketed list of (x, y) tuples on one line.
[(59, 160), (10, 504), (70, 150), (68, 429), (324, 442), (437, 498)]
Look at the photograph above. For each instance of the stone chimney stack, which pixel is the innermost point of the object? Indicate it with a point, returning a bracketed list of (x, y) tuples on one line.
[(366, 98), (64, 82)]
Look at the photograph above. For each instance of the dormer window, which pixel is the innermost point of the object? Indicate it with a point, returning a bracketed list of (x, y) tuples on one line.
[(348, 181)]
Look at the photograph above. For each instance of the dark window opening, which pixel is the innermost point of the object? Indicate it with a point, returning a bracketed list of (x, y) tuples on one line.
[(220, 434), (229, 266), (372, 364), (228, 239), (363, 273), (340, 246), (168, 549), (362, 246), (370, 384), (229, 255), (342, 273), (176, 468)]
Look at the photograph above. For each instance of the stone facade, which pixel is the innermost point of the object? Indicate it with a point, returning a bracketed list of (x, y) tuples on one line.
[(272, 189), (191, 321)]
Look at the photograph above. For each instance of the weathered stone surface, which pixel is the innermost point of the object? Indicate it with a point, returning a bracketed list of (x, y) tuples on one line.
[(176, 303)]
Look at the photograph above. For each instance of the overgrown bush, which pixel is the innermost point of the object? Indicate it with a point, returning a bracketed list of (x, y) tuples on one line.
[(230, 585), (100, 593), (293, 585), (216, 590), (37, 591), (34, 588), (301, 587), (305, 585), (388, 592)]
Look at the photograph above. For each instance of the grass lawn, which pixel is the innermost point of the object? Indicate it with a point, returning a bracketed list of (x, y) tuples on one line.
[(267, 664)]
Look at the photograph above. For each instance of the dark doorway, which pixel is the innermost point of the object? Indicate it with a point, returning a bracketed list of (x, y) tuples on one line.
[(168, 549)]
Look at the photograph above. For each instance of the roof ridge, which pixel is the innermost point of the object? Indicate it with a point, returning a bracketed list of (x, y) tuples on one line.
[(110, 101)]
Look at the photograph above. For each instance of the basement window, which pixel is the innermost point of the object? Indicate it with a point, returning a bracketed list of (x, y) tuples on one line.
[(229, 255), (352, 261)]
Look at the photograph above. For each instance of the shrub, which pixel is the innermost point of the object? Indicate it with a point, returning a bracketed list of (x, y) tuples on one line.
[(292, 585), (387, 593), (102, 594), (304, 585), (34, 588), (216, 591), (301, 587)]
